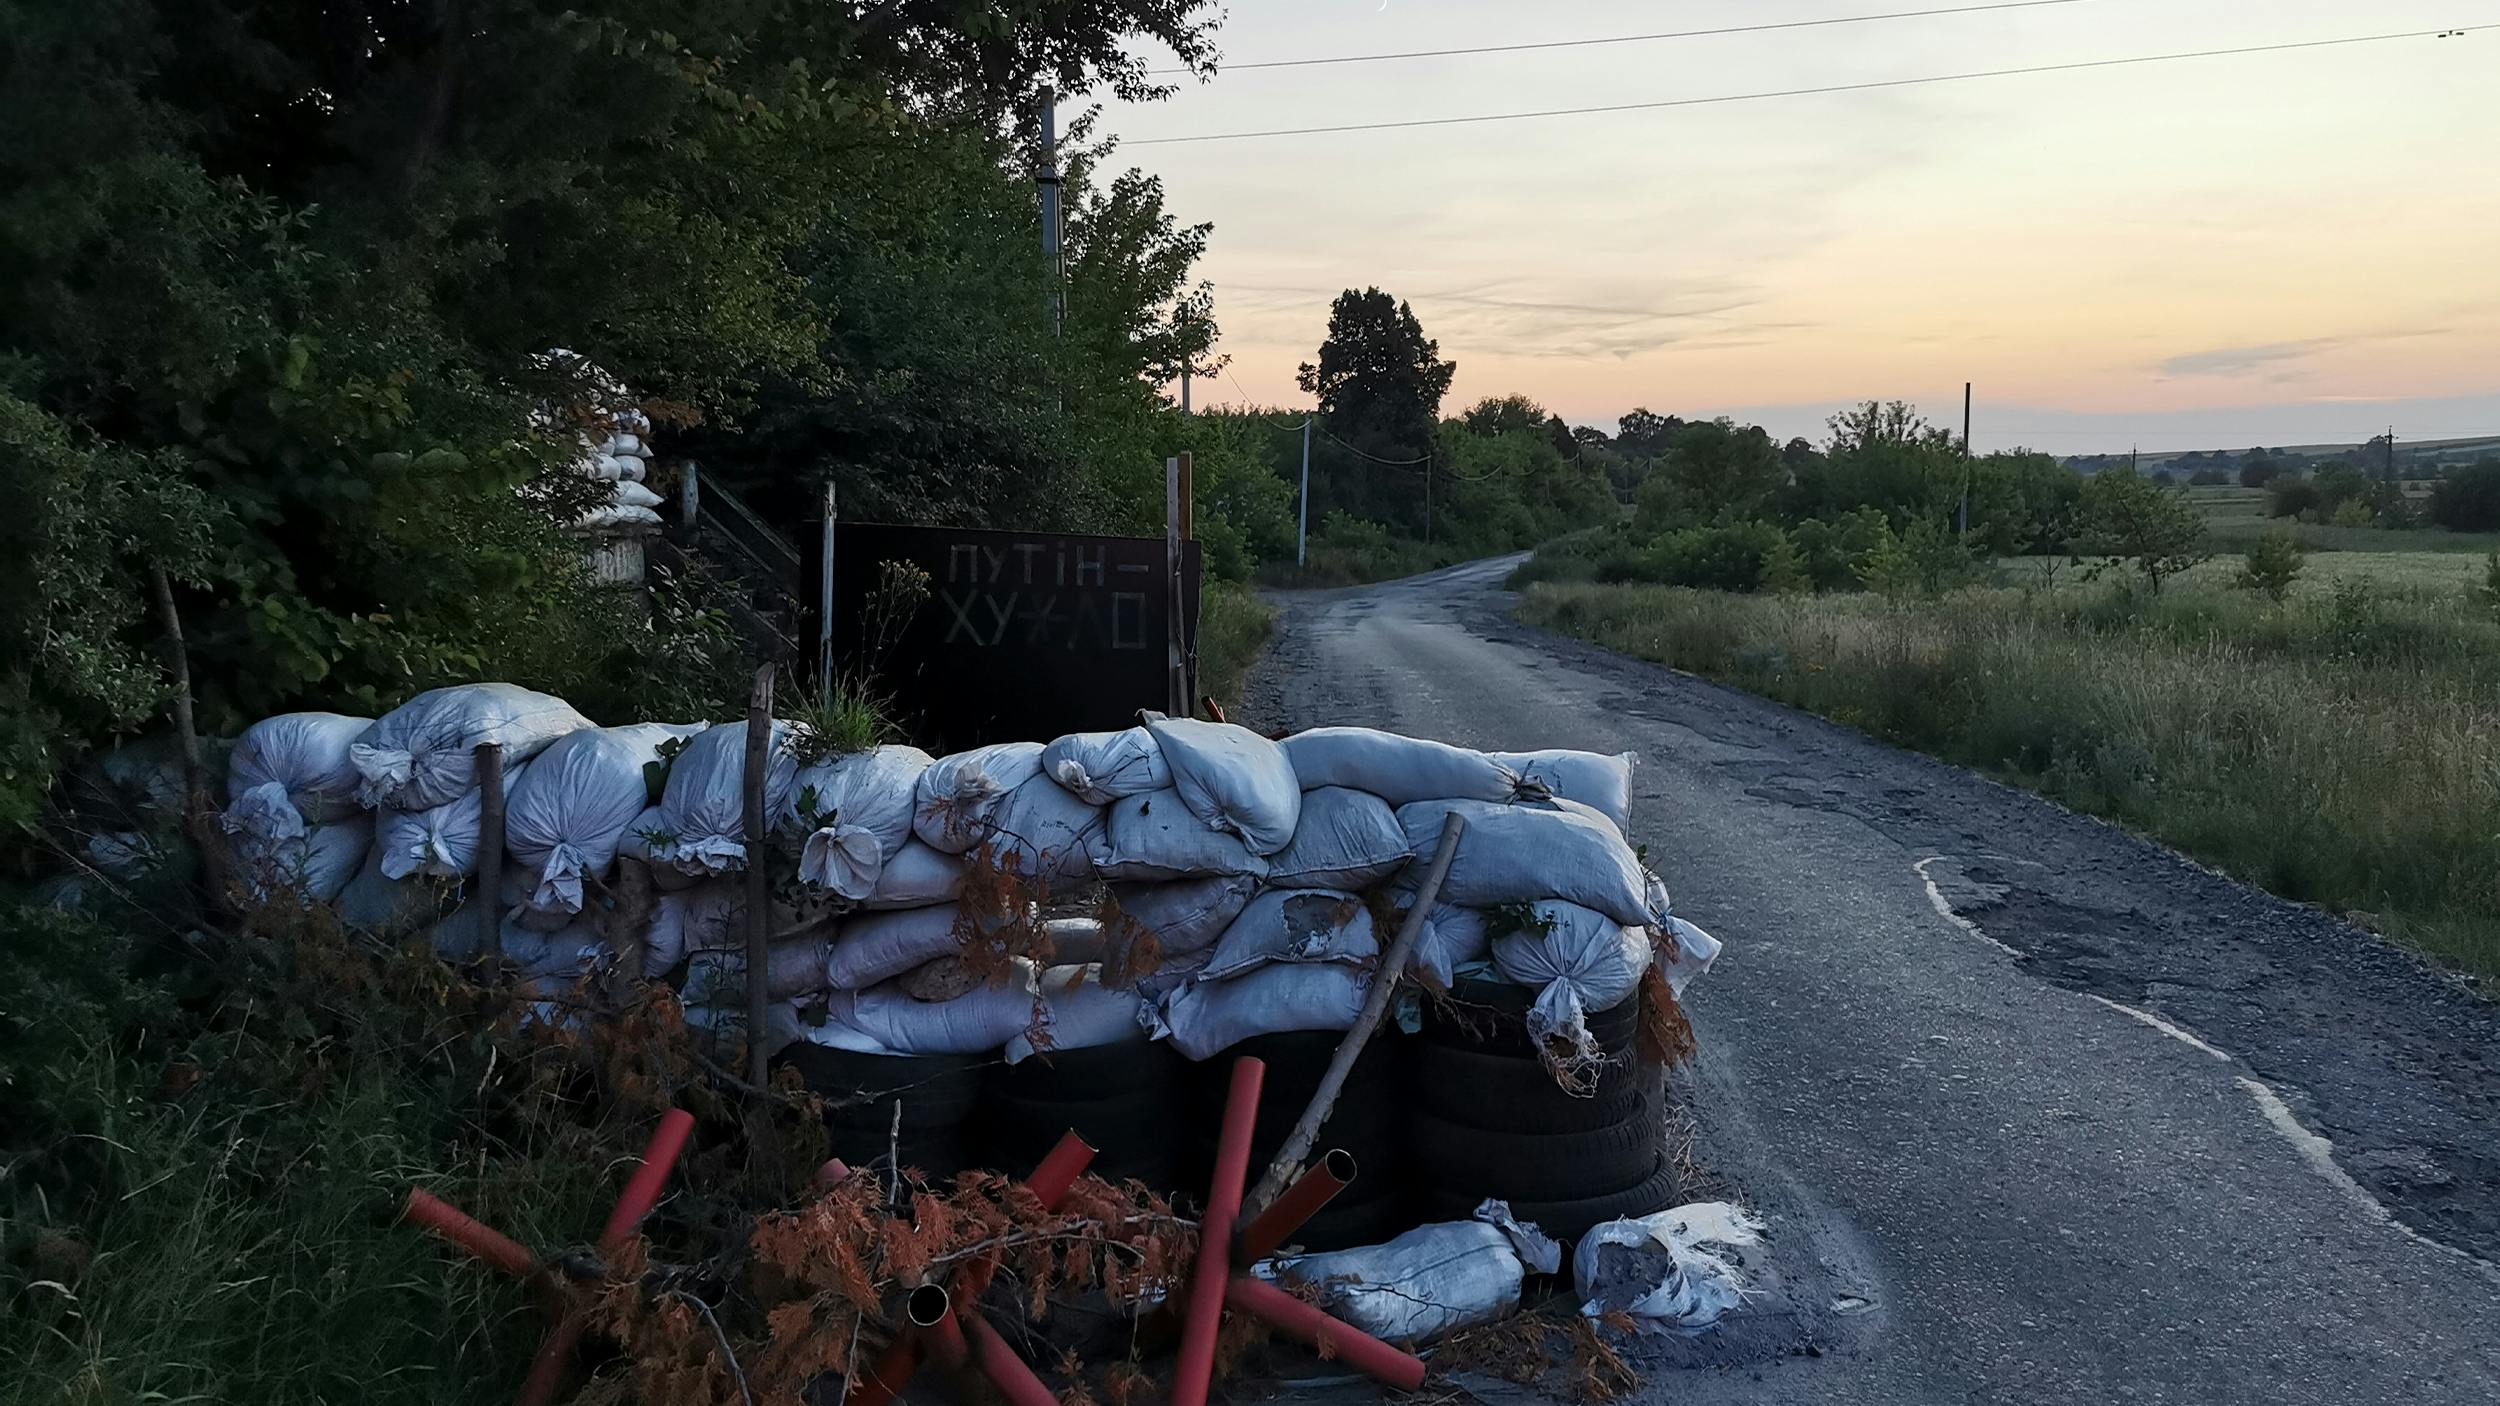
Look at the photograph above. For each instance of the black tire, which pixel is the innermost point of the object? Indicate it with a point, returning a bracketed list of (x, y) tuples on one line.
[(1131, 1134), (1088, 1075), (1538, 1166), (1296, 1059), (935, 1154), (1492, 1015), (1566, 1221), (1515, 1094), (860, 1090), (1341, 1227)]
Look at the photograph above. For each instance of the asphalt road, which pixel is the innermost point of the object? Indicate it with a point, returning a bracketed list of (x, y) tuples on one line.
[(2039, 1112)]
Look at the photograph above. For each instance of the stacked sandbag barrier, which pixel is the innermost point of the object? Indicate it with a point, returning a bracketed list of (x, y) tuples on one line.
[(972, 952)]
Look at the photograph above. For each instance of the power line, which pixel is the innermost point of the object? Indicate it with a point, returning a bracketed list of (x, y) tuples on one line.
[(1628, 38), (1390, 463), (1869, 86)]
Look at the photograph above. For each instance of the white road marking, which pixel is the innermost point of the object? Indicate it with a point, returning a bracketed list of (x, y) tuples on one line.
[(1945, 910), (2165, 1027), (2319, 1152)]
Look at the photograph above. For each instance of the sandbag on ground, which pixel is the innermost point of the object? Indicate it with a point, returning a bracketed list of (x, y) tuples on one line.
[(1678, 1271), (1156, 836), (1521, 853), (1233, 779), (701, 827), (1431, 1280), (564, 817), (1398, 769), (857, 813), (1601, 782), (422, 753), (959, 793), (1345, 839), (1102, 767)]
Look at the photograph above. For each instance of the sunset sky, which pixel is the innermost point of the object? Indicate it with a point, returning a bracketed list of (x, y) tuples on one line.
[(2272, 248)]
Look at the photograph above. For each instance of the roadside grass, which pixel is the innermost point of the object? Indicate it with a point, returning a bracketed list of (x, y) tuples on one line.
[(2341, 749), (1233, 626)]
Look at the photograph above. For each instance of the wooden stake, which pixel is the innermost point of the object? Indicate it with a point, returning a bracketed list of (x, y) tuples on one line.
[(196, 819), (1297, 1147), (489, 898), (759, 884)]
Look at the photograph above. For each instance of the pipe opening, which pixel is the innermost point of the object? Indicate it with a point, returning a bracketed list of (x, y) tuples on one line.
[(926, 1308), (1340, 1164)]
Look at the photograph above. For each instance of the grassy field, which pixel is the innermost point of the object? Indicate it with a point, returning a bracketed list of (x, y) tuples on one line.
[(2342, 748), (1233, 626)]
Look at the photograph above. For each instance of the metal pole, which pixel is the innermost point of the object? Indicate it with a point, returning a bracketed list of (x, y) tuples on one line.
[(1966, 458), (1302, 533), (1176, 685), (1184, 388), (824, 600), (1048, 180)]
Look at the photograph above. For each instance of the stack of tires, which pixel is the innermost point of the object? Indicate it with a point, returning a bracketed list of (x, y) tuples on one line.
[(1485, 1118), (937, 1095), (1122, 1099), (1365, 1123)]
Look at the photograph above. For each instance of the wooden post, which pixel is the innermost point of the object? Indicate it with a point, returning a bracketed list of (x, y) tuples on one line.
[(196, 820), (1375, 1005), (1176, 669), (1189, 499), (759, 884), (824, 599), (489, 897)]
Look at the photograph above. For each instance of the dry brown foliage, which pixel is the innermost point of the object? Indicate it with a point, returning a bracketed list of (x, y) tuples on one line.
[(1666, 1037)]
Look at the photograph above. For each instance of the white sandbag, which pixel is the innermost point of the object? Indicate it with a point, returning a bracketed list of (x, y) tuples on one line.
[(1043, 831), (1296, 925), (1396, 768), (564, 818), (305, 756), (1601, 782), (878, 947), (1078, 1013), (917, 877), (977, 1022), (1519, 854), (316, 862), (1578, 961), (791, 968), (1432, 1279), (856, 810), (1073, 942), (1678, 1271), (630, 494), (1204, 1018), (1452, 937), (422, 753), (1684, 952), (377, 903), (1233, 779), (441, 841), (959, 792), (624, 442), (567, 953), (1102, 767), (702, 822), (1157, 836), (135, 854), (1172, 972), (1187, 916), (1346, 839)]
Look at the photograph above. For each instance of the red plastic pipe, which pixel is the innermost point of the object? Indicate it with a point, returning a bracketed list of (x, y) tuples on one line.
[(643, 1191), (1353, 1346), (492, 1246), (1316, 1187), (932, 1318), (999, 1363), (1196, 1370), (554, 1361)]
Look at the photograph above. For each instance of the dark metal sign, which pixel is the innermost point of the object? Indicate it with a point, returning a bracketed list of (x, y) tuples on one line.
[(1006, 635)]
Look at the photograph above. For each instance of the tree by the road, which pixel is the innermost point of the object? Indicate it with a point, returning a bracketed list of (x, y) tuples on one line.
[(1379, 382), (2128, 517)]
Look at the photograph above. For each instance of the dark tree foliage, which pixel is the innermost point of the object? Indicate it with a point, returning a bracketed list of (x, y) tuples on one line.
[(1378, 382), (2468, 499), (1644, 433)]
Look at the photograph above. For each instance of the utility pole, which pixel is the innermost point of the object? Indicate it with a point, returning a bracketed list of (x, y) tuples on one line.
[(1427, 499), (1302, 533), (1966, 458), (1048, 180), (2391, 453), (1184, 387)]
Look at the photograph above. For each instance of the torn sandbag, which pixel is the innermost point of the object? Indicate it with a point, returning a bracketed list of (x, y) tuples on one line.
[(856, 812), (1431, 1280), (423, 753), (1678, 1271), (1601, 782), (1156, 836), (1685, 952), (565, 815), (959, 793), (1078, 1012), (1102, 767), (1577, 960), (702, 821), (1204, 1018), (305, 757), (1396, 768), (441, 841), (1345, 839), (1042, 831), (1296, 925), (1233, 779), (1521, 853), (1186, 915)]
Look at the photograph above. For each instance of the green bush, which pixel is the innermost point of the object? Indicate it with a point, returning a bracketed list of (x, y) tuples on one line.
[(2468, 499), (2271, 565)]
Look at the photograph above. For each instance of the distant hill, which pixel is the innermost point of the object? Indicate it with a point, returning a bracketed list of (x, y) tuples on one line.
[(2414, 458)]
